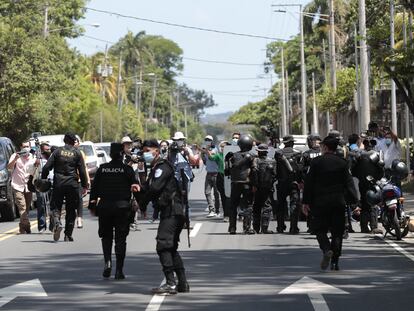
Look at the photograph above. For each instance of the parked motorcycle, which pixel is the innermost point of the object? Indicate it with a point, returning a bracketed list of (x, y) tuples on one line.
[(388, 197)]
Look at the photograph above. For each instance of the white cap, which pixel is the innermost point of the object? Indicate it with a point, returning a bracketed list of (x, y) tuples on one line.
[(208, 137), (126, 139), (178, 135)]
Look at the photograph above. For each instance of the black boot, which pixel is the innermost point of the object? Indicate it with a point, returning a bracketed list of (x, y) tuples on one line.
[(107, 252), (334, 264), (182, 286), (119, 274)]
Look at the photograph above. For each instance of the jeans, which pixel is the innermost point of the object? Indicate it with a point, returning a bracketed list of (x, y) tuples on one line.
[(42, 201), (210, 186)]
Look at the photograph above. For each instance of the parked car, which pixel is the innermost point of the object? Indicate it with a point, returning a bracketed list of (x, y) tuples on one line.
[(8, 210), (300, 143), (94, 158), (106, 147)]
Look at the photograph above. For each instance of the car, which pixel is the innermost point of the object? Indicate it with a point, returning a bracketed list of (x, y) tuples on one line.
[(106, 147), (94, 158), (301, 143), (8, 211), (106, 158)]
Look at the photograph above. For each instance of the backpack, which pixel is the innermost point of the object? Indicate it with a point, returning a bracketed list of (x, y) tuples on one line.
[(265, 172)]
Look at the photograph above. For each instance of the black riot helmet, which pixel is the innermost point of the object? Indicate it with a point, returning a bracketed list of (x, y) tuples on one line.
[(245, 142), (373, 197), (399, 169), (311, 139), (42, 185)]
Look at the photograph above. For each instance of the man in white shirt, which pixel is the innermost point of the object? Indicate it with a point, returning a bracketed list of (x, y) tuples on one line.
[(391, 149), (22, 166)]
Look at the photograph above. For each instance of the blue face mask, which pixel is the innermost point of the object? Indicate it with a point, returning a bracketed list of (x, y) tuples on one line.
[(388, 141), (148, 157)]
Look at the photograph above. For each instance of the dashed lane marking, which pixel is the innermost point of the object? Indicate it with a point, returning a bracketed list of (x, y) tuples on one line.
[(157, 300), (396, 247)]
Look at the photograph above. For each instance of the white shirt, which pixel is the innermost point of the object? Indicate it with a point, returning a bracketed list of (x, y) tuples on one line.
[(23, 168), (391, 153)]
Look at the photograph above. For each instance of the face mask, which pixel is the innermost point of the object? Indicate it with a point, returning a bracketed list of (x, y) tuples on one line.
[(388, 141), (234, 141), (148, 157), (164, 150), (180, 143)]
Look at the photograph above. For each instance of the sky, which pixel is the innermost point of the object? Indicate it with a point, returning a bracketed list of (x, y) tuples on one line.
[(232, 86)]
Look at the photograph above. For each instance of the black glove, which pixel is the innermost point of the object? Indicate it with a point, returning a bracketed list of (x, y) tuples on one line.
[(92, 208)]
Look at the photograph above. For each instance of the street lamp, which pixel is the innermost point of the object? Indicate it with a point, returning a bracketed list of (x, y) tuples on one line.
[(96, 25)]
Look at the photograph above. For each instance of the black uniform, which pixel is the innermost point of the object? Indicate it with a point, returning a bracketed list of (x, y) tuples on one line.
[(162, 187), (265, 177), (364, 167), (307, 157), (326, 185), (288, 178), (112, 185), (66, 163), (241, 167)]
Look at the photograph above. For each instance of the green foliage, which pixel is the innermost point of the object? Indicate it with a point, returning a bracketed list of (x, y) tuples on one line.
[(328, 100)]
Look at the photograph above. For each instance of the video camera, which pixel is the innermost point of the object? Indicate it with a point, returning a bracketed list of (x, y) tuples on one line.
[(174, 147), (137, 156), (272, 132)]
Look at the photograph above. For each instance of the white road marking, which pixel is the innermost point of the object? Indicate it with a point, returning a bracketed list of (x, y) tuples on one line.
[(314, 289), (156, 301), (195, 230), (397, 247), (31, 288)]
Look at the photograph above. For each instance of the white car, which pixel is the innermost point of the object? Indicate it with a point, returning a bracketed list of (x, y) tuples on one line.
[(94, 157), (105, 147)]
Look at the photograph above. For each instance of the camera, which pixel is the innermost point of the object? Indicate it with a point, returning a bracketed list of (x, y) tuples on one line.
[(137, 156), (174, 147)]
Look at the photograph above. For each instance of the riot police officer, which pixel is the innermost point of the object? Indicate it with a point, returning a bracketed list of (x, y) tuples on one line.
[(163, 187), (368, 163), (326, 184), (112, 186), (66, 162), (265, 176), (314, 151), (240, 166), (289, 176)]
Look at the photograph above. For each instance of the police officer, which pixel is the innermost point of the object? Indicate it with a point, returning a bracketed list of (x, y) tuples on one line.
[(289, 176), (265, 177), (314, 151), (66, 162), (163, 187), (368, 164), (324, 195), (241, 165), (112, 186)]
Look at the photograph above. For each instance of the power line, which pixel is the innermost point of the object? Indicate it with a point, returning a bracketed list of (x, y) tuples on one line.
[(189, 58), (219, 79), (185, 26), (220, 62)]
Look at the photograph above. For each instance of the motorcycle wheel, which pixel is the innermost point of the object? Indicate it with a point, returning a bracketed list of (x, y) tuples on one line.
[(396, 226)]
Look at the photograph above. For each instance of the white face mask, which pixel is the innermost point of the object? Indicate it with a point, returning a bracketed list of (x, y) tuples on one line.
[(234, 141)]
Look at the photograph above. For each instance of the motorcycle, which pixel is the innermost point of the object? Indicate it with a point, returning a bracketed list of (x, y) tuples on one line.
[(388, 197)]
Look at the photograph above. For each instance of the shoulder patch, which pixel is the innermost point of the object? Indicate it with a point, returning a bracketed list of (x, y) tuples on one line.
[(158, 173)]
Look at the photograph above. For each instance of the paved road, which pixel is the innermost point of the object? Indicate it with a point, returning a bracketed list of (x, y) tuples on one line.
[(225, 272)]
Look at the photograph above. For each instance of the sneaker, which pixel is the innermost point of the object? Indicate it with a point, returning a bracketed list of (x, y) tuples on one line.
[(68, 238), (326, 258), (218, 215), (211, 215), (56, 232), (377, 231), (207, 209), (165, 289), (119, 275), (226, 219), (79, 222), (294, 230)]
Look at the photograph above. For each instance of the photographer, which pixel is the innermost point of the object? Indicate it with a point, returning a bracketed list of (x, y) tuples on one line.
[(180, 157), (210, 183)]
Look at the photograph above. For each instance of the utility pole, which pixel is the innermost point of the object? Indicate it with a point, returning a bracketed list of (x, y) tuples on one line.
[(178, 111), (302, 64), (315, 110), (118, 85), (185, 121), (154, 90), (283, 96), (365, 101), (137, 86), (332, 48), (407, 111), (46, 22), (393, 88), (287, 101), (358, 90), (328, 117), (303, 74), (171, 109)]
